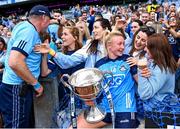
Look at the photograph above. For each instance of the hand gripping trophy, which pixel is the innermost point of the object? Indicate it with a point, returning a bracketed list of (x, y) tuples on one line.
[(87, 84)]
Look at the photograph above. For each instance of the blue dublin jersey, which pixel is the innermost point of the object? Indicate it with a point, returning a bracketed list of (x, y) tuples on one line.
[(24, 38), (123, 86), (53, 31)]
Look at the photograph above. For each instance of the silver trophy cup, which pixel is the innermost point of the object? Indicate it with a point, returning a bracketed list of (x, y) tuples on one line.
[(87, 84)]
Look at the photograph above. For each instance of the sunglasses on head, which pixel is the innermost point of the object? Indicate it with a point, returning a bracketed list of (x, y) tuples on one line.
[(149, 30), (172, 19)]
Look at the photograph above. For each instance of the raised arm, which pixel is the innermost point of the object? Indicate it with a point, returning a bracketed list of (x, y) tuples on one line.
[(68, 61), (44, 66)]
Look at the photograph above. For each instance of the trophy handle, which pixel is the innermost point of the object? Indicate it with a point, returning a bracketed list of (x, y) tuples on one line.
[(65, 82), (104, 75)]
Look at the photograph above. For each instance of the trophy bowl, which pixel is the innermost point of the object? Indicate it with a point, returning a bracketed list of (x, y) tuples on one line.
[(87, 85)]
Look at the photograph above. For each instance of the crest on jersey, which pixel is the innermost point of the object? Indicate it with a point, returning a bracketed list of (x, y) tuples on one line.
[(122, 68)]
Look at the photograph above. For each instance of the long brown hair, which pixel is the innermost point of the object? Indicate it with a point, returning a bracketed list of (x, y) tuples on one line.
[(94, 43), (145, 29), (76, 34), (161, 52)]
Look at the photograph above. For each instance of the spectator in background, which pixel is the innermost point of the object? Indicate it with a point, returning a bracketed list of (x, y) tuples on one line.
[(152, 16), (172, 8), (4, 34), (135, 16), (77, 11), (166, 10), (144, 17), (84, 16), (135, 26), (4, 31), (172, 14), (120, 26), (53, 27), (108, 15), (91, 20), (2, 56), (173, 34), (115, 18), (84, 31), (98, 16), (1, 29), (172, 24)]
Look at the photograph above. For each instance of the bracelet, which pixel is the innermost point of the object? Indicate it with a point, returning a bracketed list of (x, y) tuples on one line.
[(37, 86), (52, 52)]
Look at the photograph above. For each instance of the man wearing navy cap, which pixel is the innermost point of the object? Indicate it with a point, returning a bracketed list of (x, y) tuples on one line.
[(22, 69)]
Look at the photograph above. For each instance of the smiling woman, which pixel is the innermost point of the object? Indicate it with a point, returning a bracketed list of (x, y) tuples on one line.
[(139, 41)]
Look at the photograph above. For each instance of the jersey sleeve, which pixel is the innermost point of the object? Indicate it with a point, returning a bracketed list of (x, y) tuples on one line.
[(134, 70), (25, 40)]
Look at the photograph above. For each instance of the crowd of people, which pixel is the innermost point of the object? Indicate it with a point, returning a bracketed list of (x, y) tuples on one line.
[(138, 45)]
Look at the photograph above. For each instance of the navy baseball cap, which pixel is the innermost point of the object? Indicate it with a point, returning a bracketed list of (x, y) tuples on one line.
[(40, 10)]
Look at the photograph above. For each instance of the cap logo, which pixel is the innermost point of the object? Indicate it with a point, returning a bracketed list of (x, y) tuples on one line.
[(41, 11)]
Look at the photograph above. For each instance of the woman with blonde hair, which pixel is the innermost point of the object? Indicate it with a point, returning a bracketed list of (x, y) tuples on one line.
[(85, 35)]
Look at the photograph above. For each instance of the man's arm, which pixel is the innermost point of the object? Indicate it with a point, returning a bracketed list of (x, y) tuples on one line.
[(18, 65)]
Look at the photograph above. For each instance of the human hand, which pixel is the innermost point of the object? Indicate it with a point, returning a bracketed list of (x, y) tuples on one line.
[(54, 21), (131, 61), (119, 24), (38, 89), (145, 72), (42, 48), (165, 22), (63, 20)]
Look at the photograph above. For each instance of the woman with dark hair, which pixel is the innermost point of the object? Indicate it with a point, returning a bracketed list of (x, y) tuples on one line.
[(157, 90), (139, 43), (135, 25)]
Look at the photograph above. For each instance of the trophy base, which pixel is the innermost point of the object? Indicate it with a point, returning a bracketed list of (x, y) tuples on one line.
[(94, 114)]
